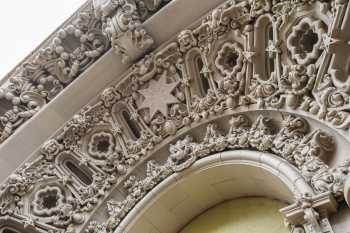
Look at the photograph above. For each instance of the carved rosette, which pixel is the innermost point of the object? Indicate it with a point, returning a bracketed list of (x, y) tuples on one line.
[(305, 40), (48, 201), (229, 59), (101, 145)]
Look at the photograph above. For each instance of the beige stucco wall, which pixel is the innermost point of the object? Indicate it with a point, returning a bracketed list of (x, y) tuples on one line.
[(246, 215)]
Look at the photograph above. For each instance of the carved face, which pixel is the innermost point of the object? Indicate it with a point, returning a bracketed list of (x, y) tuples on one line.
[(109, 96), (186, 40), (51, 148)]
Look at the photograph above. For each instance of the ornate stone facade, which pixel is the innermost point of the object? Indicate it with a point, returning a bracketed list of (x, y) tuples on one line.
[(245, 56), (73, 49)]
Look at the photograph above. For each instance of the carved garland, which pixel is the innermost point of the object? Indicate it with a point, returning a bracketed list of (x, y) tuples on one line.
[(292, 142)]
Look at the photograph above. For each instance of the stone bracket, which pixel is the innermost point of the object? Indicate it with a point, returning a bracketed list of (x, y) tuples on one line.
[(312, 213), (132, 44)]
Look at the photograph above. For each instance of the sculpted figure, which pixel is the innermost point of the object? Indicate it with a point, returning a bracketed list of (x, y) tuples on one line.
[(260, 134), (332, 179), (288, 138), (238, 136), (182, 154), (186, 40)]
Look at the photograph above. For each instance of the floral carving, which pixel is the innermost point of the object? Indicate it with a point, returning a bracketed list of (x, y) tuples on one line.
[(136, 190), (48, 201), (331, 179), (288, 138), (229, 59), (305, 40), (181, 154), (101, 145), (238, 135), (185, 152)]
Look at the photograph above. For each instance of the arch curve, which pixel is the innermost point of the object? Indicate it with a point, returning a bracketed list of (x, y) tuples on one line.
[(240, 171)]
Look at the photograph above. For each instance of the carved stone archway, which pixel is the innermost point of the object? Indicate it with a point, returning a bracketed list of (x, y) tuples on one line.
[(264, 76), (233, 172)]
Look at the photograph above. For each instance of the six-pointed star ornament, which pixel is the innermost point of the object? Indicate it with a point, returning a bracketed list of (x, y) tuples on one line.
[(158, 96)]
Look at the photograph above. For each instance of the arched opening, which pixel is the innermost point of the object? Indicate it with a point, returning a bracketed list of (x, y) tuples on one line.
[(195, 66), (253, 215), (264, 43), (269, 58), (68, 164), (133, 127), (203, 81), (78, 172), (213, 180), (123, 115)]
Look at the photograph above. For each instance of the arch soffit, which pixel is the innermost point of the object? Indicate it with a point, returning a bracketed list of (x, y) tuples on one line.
[(281, 181), (224, 97)]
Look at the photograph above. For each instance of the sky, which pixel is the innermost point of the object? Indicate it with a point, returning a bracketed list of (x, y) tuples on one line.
[(24, 24)]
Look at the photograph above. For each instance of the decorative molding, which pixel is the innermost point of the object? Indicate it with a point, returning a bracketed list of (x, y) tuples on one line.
[(71, 50), (292, 142), (122, 21)]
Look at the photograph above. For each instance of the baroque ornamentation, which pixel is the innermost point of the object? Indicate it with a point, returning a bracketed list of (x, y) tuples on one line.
[(152, 94), (72, 49), (101, 145), (312, 210), (305, 40), (293, 141), (122, 21), (229, 59), (48, 201), (236, 57)]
